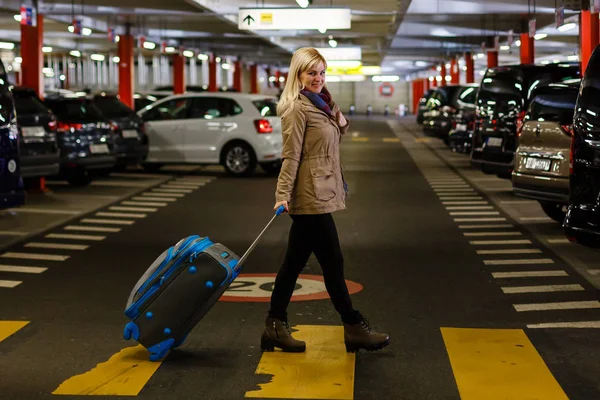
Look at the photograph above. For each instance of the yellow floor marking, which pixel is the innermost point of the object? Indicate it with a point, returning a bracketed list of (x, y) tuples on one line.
[(325, 371), (360, 139), (422, 140), (498, 364), (391, 140), (7, 328), (124, 374)]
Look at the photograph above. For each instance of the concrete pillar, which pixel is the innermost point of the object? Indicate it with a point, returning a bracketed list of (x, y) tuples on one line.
[(527, 49), (178, 74), (589, 36), (126, 69), (32, 38)]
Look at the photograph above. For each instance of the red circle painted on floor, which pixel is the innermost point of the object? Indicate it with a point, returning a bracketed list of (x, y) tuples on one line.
[(257, 288)]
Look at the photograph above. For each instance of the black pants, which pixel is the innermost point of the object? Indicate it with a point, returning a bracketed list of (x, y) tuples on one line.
[(313, 234)]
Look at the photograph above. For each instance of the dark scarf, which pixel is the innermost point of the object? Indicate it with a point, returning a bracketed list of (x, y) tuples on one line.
[(321, 100)]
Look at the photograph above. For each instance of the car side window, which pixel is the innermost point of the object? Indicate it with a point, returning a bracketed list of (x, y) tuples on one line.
[(213, 107), (170, 110)]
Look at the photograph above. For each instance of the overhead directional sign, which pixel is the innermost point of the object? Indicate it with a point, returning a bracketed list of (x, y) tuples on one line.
[(256, 19)]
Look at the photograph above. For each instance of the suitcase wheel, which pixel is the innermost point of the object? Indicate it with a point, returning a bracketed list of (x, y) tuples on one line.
[(160, 350), (131, 331)]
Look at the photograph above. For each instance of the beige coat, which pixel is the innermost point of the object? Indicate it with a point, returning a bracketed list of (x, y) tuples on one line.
[(311, 178)]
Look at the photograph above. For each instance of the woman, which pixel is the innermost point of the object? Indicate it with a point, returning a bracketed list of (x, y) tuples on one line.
[(310, 187)]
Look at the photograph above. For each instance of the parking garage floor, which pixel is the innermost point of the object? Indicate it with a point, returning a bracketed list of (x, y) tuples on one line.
[(481, 294)]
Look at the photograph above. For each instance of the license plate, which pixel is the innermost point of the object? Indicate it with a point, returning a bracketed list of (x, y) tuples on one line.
[(98, 148), (33, 131), (538, 164), (130, 133), (461, 127), (494, 142)]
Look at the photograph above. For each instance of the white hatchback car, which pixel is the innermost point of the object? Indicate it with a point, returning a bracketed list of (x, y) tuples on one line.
[(236, 130)]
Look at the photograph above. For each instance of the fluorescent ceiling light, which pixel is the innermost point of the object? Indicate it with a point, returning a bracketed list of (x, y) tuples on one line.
[(17, 17), (46, 49), (540, 36), (370, 70), (169, 49), (573, 58), (302, 3), (218, 59), (420, 64), (386, 78), (86, 31), (116, 59), (518, 43), (97, 57), (505, 48), (226, 66), (70, 28), (202, 57), (7, 45), (117, 38), (322, 30), (344, 64), (480, 55), (75, 53), (18, 60), (332, 43), (334, 78), (149, 45), (188, 53), (567, 27), (545, 62)]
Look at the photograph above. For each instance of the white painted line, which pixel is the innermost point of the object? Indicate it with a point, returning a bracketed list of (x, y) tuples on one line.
[(120, 215), (45, 211), (556, 241), (91, 228), (578, 325), (449, 203), (498, 242), (528, 274), (474, 213), (159, 190), (13, 233), (34, 256), (526, 261), (60, 246), (155, 198), (510, 251), (479, 219), (106, 221), (593, 271), (140, 209), (9, 284), (492, 233), (202, 181), (465, 198), (140, 203), (74, 237), (486, 226), (517, 201), (536, 219), (453, 208), (184, 185), (163, 194), (453, 190), (22, 269), (137, 175), (542, 289), (121, 183), (458, 194), (567, 305), (451, 186)]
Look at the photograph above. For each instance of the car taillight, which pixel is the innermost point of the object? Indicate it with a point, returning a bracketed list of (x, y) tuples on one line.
[(263, 126), (52, 126), (571, 151), (143, 127), (114, 127), (66, 127), (520, 123), (568, 129)]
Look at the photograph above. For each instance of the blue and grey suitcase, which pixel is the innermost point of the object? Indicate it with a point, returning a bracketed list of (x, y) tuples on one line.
[(178, 289)]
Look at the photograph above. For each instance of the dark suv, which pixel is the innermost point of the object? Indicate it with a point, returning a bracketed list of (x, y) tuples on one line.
[(503, 97), (40, 155), (443, 107), (12, 191), (582, 223), (131, 141), (85, 138)]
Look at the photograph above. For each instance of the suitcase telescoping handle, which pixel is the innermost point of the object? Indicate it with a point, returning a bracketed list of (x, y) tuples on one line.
[(239, 264)]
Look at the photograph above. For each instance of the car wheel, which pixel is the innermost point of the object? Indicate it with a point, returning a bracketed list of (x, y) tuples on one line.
[(239, 159), (271, 168), (556, 211), (78, 177)]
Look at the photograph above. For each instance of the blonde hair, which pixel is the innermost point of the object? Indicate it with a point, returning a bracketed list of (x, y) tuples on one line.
[(302, 60)]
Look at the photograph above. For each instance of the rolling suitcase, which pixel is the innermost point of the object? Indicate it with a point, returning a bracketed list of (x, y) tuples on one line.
[(178, 289)]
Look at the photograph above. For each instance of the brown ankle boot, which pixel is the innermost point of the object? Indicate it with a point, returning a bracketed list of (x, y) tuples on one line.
[(361, 336), (277, 334)]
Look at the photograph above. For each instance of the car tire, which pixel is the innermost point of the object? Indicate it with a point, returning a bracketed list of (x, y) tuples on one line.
[(271, 168), (78, 177), (556, 211), (239, 159)]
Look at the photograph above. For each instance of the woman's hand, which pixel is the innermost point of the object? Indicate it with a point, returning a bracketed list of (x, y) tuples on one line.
[(281, 203), (341, 120)]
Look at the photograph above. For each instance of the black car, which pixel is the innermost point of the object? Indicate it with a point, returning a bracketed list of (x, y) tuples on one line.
[(131, 141), (422, 107), (582, 222), (12, 193), (503, 97), (40, 155), (444, 105), (85, 138)]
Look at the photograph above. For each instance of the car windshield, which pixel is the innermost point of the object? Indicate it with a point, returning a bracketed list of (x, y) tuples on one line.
[(267, 107), (75, 110), (554, 107), (112, 107)]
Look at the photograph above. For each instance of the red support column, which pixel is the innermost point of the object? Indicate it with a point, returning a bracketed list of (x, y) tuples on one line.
[(492, 59), (443, 73), (126, 70), (254, 79), (454, 71), (470, 67), (32, 38), (212, 73), (178, 74), (237, 76), (589, 36), (527, 49)]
